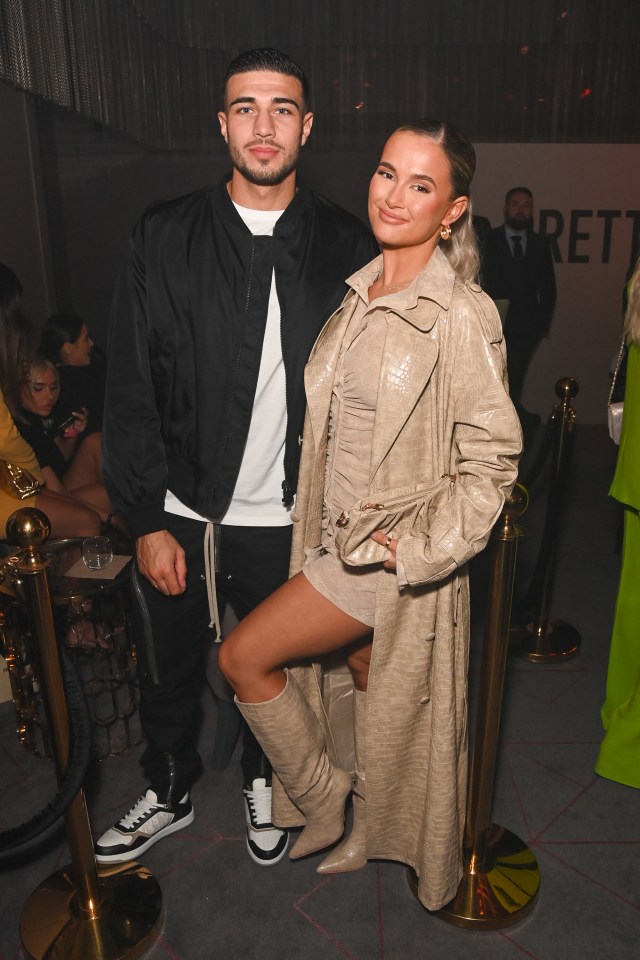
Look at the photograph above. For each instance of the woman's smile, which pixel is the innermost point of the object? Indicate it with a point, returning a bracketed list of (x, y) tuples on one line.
[(390, 217)]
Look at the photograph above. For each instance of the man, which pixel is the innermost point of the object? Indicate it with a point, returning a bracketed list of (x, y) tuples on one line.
[(217, 307), (518, 267)]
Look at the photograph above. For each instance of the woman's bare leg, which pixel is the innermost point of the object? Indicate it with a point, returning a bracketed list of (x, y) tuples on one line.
[(85, 467), (84, 479), (68, 517), (358, 656), (294, 623), (95, 496)]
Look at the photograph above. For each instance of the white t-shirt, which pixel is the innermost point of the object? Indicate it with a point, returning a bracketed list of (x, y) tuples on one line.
[(257, 497)]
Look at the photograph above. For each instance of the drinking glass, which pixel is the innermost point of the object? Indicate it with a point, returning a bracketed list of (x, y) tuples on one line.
[(97, 552)]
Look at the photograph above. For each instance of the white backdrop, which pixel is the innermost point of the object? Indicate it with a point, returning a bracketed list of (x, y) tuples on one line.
[(590, 196)]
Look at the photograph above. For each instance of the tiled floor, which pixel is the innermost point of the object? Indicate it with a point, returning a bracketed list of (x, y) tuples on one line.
[(585, 831)]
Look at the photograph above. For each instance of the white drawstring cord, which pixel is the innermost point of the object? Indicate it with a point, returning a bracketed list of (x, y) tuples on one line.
[(210, 577)]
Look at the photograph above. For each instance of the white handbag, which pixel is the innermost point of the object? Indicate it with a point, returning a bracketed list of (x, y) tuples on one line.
[(615, 420)]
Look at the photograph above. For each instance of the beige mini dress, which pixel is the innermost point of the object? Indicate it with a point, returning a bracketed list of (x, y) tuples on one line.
[(351, 418)]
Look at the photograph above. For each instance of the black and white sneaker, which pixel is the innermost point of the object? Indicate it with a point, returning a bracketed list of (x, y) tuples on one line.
[(147, 822), (266, 844)]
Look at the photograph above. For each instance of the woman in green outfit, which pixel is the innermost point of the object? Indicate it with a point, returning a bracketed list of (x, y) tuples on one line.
[(619, 757)]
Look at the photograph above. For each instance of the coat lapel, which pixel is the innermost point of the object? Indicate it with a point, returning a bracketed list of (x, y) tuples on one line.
[(410, 355), (320, 370)]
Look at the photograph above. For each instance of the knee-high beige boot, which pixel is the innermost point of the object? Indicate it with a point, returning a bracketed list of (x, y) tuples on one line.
[(292, 738), (351, 854)]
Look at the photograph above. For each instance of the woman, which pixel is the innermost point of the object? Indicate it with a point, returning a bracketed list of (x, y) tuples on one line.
[(39, 393), (68, 468), (16, 450), (68, 517), (406, 398), (619, 756), (67, 344)]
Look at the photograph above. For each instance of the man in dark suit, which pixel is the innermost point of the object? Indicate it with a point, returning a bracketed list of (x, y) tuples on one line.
[(518, 267)]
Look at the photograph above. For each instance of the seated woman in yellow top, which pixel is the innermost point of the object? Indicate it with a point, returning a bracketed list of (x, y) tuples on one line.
[(68, 517), (16, 450)]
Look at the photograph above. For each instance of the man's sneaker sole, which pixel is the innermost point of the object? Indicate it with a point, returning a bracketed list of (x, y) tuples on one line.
[(135, 850)]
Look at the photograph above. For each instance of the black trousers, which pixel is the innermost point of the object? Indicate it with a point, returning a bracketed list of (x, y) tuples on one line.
[(173, 637), (521, 342)]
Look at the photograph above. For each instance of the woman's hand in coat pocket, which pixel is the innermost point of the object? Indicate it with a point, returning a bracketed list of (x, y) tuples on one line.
[(388, 541)]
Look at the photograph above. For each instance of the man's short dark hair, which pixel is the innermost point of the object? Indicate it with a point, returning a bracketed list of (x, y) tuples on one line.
[(513, 190), (267, 58)]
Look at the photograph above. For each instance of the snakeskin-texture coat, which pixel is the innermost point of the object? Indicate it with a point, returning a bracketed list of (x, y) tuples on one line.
[(442, 409)]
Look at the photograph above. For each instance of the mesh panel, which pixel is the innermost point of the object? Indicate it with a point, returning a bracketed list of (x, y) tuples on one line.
[(503, 70)]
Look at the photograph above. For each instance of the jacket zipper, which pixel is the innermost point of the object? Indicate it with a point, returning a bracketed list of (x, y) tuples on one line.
[(287, 492), (237, 359)]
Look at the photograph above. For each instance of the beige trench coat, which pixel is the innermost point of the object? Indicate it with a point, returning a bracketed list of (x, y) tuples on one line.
[(443, 408)]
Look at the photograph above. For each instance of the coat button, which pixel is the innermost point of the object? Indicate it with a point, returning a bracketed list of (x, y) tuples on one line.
[(430, 636), (295, 518), (425, 700)]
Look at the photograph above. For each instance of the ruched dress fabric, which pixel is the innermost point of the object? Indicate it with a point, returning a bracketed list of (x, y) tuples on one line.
[(351, 417)]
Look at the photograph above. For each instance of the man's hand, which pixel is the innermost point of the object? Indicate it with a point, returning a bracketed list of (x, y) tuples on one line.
[(161, 560)]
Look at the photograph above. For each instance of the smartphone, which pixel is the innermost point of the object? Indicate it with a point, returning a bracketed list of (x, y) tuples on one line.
[(66, 423)]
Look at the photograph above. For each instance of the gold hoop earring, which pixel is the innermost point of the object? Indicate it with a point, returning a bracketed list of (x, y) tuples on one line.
[(445, 231)]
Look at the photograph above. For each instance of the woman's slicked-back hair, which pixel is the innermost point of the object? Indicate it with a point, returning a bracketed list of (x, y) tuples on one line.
[(267, 58), (59, 329), (462, 248)]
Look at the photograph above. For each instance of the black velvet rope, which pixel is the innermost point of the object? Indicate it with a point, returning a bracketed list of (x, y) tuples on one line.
[(80, 731), (523, 605), (542, 456)]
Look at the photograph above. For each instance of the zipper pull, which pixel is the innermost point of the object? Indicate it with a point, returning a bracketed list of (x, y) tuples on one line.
[(287, 493)]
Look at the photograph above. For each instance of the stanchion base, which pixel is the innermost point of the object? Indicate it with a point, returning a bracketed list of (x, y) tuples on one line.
[(499, 897), (126, 924), (560, 642)]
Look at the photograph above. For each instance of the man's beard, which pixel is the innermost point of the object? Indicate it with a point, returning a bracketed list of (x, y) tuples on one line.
[(519, 223), (267, 176)]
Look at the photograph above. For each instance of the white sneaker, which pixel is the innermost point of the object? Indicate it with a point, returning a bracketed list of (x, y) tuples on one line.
[(147, 822), (266, 844)]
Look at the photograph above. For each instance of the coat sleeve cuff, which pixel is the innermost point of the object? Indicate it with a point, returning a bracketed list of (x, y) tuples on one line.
[(422, 561), (146, 519)]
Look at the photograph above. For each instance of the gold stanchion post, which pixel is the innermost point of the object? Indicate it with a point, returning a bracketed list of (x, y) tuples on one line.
[(542, 641), (501, 876), (76, 913)]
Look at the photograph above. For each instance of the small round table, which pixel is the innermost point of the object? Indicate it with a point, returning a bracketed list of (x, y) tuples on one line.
[(94, 623)]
